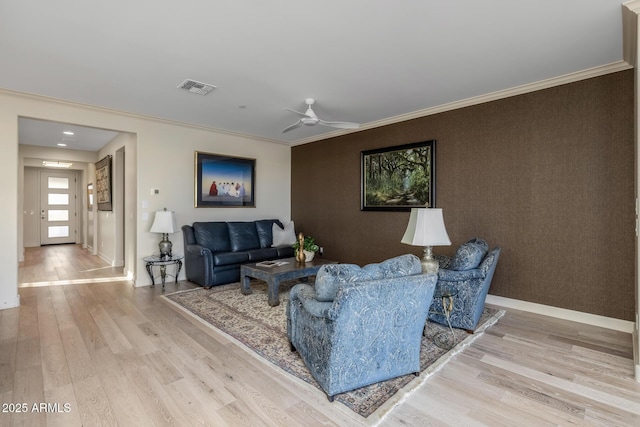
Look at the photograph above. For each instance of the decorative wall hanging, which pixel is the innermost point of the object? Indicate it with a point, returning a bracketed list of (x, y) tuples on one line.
[(223, 181), (398, 178), (103, 184)]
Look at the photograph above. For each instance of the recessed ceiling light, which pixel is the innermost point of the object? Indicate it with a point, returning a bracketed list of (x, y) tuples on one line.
[(68, 132), (61, 144)]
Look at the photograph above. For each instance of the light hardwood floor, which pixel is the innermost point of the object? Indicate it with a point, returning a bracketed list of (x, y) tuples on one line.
[(118, 355)]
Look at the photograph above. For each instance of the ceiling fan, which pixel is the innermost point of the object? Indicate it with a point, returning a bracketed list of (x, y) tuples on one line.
[(309, 118)]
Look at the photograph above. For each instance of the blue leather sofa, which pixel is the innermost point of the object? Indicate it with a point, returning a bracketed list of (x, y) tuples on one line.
[(359, 326), (214, 251), (468, 274)]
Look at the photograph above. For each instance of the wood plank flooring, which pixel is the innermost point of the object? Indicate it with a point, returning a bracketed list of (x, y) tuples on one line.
[(109, 354)]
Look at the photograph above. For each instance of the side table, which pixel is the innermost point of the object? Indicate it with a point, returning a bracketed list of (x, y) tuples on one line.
[(162, 262)]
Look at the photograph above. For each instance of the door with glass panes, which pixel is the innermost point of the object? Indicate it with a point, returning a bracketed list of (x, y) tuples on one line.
[(57, 207)]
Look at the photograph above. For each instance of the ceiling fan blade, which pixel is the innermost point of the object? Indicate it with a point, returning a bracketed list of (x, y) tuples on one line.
[(297, 112), (340, 125), (293, 126)]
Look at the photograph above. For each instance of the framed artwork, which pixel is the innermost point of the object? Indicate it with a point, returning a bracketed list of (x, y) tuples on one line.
[(398, 178), (223, 181), (103, 184)]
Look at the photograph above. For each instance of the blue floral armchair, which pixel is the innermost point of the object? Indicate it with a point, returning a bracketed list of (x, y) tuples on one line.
[(359, 326), (468, 275)]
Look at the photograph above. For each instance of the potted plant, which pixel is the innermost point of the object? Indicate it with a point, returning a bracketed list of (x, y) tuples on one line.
[(309, 247)]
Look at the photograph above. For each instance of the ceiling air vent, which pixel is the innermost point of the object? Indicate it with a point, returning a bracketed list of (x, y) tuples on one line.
[(196, 87)]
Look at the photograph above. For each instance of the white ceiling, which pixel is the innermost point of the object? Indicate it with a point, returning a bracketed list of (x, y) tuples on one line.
[(365, 61)]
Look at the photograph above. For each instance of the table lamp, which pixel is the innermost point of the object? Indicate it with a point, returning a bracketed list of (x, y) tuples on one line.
[(426, 228), (164, 223)]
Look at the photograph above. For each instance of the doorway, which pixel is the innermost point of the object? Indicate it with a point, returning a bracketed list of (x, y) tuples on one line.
[(58, 200)]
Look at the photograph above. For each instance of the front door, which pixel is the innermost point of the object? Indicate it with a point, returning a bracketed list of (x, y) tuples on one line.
[(57, 207)]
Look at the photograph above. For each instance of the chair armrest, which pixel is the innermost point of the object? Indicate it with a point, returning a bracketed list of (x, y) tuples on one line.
[(457, 276), (306, 294), (443, 261)]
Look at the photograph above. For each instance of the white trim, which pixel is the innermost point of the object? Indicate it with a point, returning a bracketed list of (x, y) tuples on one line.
[(501, 94), (11, 304), (563, 313)]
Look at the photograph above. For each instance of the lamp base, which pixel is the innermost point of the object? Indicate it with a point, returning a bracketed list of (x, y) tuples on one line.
[(165, 246), (429, 263)]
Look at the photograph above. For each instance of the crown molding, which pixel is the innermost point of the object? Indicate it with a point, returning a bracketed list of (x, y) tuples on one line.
[(138, 116), (630, 12), (481, 99)]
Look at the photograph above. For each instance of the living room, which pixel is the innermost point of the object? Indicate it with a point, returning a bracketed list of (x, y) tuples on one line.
[(547, 175)]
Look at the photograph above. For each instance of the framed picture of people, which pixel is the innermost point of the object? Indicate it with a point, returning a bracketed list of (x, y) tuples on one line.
[(223, 181)]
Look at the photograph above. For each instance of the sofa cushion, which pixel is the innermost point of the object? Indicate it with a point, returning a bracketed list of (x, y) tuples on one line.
[(262, 254), (230, 258), (212, 235), (243, 236), (264, 227), (469, 255), (285, 251), (283, 236)]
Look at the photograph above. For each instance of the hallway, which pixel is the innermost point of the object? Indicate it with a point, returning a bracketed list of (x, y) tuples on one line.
[(64, 265)]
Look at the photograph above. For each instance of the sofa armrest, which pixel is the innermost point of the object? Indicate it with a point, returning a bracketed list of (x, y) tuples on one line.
[(198, 264), (196, 250)]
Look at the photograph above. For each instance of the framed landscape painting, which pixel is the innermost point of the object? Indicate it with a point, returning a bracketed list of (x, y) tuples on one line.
[(223, 181), (398, 178)]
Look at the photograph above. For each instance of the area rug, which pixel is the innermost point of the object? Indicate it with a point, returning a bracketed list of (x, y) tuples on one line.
[(263, 330)]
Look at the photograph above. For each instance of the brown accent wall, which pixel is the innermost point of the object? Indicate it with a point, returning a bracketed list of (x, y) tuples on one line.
[(548, 176)]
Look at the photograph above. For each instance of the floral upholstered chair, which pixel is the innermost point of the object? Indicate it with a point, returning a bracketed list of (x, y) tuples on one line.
[(468, 276), (359, 326)]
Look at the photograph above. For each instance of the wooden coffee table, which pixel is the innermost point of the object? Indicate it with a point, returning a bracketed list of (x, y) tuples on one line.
[(277, 274)]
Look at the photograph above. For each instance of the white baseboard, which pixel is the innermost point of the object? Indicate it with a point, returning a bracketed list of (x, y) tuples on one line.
[(562, 313), (15, 302)]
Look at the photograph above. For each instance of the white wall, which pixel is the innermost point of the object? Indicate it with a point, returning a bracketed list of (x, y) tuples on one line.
[(31, 207), (164, 159)]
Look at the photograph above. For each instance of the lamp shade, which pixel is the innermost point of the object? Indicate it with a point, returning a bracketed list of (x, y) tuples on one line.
[(426, 228), (164, 222)]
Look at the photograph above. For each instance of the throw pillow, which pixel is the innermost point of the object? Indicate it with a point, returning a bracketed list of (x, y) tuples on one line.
[(403, 265), (283, 236), (482, 243), (331, 275), (468, 256)]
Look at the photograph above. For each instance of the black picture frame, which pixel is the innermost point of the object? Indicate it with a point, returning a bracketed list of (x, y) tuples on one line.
[(103, 185), (398, 178), (224, 181)]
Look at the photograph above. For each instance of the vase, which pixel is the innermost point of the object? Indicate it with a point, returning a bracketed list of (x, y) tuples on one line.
[(308, 255)]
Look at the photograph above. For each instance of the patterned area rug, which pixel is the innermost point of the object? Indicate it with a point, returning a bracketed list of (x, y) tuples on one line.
[(263, 329)]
